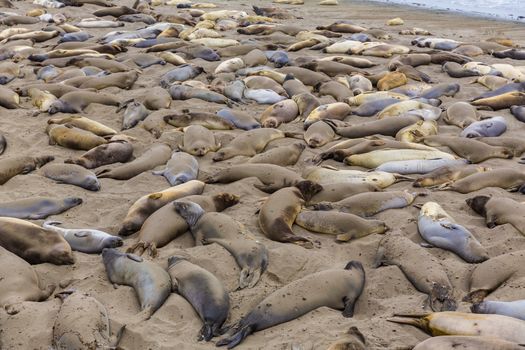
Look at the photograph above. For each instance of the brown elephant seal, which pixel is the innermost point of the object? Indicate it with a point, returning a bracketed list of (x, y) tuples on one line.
[(157, 98), (148, 204), (109, 153), (340, 290), (466, 342), (71, 137), (215, 227), (204, 291), (198, 141), (208, 120), (306, 103), (37, 207), (272, 177), (507, 178), (502, 101), (515, 144), (319, 134), (24, 285), (12, 166), (391, 81), (84, 123), (33, 243), (386, 126), (470, 149), (281, 112), (110, 66), (368, 204), (165, 224), (448, 174), (506, 308), (420, 267), (337, 191), (278, 213), (345, 226), (77, 310), (9, 99), (71, 174), (499, 211), (76, 101), (280, 155), (307, 76), (156, 155), (151, 283), (335, 89)]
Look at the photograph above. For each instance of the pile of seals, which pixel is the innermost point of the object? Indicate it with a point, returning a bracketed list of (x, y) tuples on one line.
[(279, 112)]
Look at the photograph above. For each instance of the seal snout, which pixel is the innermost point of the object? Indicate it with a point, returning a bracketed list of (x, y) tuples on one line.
[(115, 242), (478, 308)]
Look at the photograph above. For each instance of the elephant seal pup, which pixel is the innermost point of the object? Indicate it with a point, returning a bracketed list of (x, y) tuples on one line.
[(239, 119), (507, 178), (491, 274), (198, 141), (439, 229), (337, 191), (473, 150), (215, 227), (249, 143), (71, 174), (85, 240), (109, 153), (335, 288), (37, 207), (492, 127), (281, 155), (514, 309), (281, 112), (204, 291), (319, 134), (12, 166), (33, 243), (151, 282), (156, 155), (77, 310), (278, 213), (273, 177), (24, 285), (345, 226), (461, 114), (76, 101), (165, 224), (368, 204), (466, 342), (148, 204), (447, 174), (182, 167), (499, 211), (71, 137), (420, 267)]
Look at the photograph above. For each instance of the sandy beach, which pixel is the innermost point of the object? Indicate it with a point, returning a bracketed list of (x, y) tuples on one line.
[(176, 325)]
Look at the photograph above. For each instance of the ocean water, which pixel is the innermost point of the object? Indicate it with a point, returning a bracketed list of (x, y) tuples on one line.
[(503, 9)]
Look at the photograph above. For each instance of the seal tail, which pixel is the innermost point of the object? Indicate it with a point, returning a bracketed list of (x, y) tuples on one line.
[(410, 320), (236, 338)]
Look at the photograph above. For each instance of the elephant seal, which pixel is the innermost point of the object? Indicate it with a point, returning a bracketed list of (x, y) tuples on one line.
[(386, 127), (204, 291), (33, 243), (281, 112), (439, 229), (353, 339), (306, 103), (181, 168), (420, 267), (134, 113), (165, 224), (187, 118), (76, 101), (77, 310), (506, 178), (198, 141), (24, 285), (12, 166), (278, 213), (341, 289), (515, 144), (281, 155), (239, 119), (84, 123), (448, 174), (273, 177), (491, 127), (368, 204), (37, 207), (8, 98), (335, 89), (345, 226), (109, 153), (514, 309), (71, 137), (181, 73), (466, 342), (391, 81), (338, 111), (71, 174), (150, 281), (502, 101), (518, 112), (216, 227), (85, 240), (337, 191), (319, 134), (121, 80), (378, 157), (499, 211), (157, 98), (156, 155), (418, 166), (148, 204), (184, 92), (473, 150)]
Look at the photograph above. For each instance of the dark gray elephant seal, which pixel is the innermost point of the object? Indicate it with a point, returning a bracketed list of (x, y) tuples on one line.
[(203, 291), (36, 208), (108, 153), (215, 227), (514, 309), (151, 282), (71, 174), (490, 127), (335, 288)]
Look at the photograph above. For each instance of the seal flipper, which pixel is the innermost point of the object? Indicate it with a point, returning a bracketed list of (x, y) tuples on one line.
[(236, 338), (349, 307)]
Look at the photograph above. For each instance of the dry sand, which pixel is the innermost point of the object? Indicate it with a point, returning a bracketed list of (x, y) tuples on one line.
[(175, 325)]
